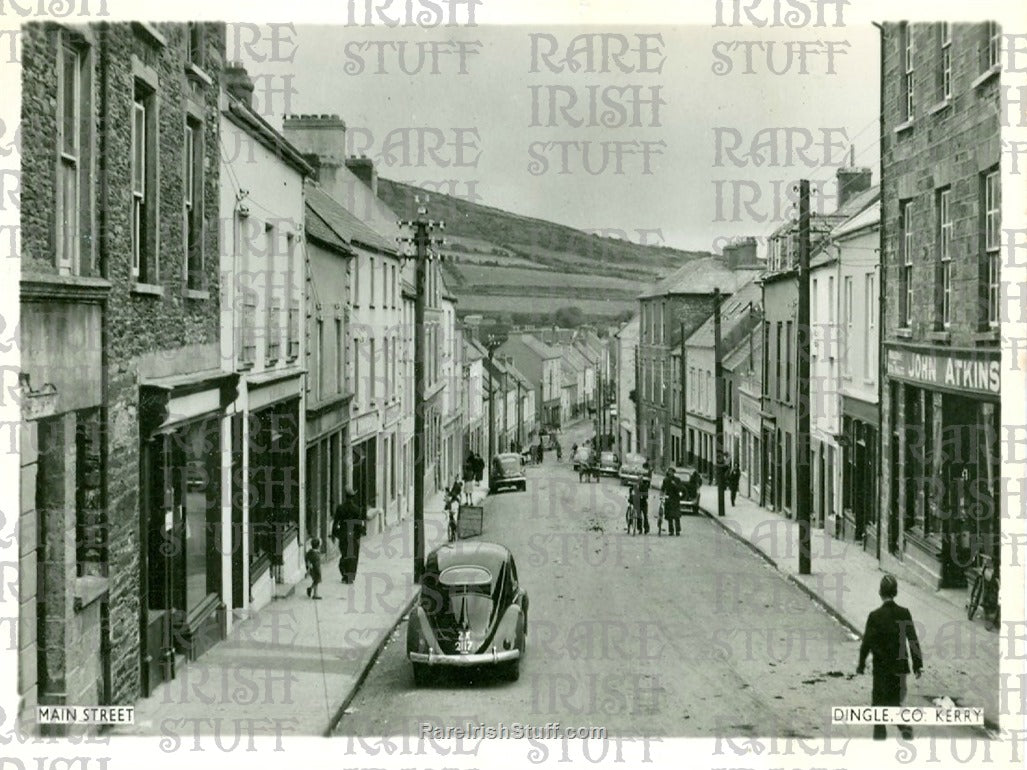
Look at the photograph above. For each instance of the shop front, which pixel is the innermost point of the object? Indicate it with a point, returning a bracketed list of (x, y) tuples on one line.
[(184, 427), (859, 445), (946, 406), (749, 455)]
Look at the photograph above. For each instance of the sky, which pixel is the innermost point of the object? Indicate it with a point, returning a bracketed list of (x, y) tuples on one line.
[(644, 132)]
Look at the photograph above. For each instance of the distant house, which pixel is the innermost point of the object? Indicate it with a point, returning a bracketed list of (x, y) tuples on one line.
[(626, 339), (541, 365), (678, 304)]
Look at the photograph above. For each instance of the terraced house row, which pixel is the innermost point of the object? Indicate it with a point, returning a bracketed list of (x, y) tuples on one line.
[(905, 314), (217, 335)]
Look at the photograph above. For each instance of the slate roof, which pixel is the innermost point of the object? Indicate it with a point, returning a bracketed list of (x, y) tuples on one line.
[(539, 347), (701, 276), (734, 313), (342, 222)]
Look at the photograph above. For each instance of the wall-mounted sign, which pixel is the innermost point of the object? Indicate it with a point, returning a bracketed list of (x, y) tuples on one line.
[(972, 372)]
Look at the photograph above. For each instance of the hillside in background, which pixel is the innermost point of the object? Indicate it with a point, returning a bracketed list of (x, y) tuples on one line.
[(501, 263)]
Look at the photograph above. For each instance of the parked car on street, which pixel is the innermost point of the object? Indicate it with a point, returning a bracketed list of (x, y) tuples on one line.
[(609, 463), (471, 611), (690, 505), (632, 469), (507, 471)]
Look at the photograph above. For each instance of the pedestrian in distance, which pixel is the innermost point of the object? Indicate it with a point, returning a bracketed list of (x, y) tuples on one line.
[(559, 451), (348, 526), (479, 469), (469, 479), (640, 500), (890, 637), (733, 479), (696, 482), (313, 560), (673, 491)]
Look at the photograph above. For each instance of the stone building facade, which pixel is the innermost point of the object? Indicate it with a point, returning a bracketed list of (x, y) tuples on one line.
[(941, 233), (119, 260)]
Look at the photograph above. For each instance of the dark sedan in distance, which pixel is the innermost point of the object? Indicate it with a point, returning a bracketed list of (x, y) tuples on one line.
[(507, 471), (471, 611), (633, 468)]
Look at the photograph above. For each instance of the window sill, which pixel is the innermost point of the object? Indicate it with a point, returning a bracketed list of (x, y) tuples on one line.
[(150, 289), (985, 76), (940, 106), (88, 590), (904, 334), (196, 294), (988, 335), (195, 73), (151, 32), (939, 335), (906, 126), (244, 366)]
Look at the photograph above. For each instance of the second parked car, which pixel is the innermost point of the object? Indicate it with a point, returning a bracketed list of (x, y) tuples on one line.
[(507, 472), (609, 463)]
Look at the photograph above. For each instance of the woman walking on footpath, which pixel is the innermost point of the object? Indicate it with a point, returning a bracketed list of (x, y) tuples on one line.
[(733, 479), (348, 526)]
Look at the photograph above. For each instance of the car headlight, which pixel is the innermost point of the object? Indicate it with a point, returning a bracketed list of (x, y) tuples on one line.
[(422, 644)]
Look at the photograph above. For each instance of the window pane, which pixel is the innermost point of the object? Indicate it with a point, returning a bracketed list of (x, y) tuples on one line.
[(69, 211), (139, 149), (69, 108), (189, 160)]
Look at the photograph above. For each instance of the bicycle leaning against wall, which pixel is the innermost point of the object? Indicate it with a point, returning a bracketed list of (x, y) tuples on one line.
[(985, 593)]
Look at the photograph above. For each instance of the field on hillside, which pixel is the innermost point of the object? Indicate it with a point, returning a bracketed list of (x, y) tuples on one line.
[(489, 275), (502, 303)]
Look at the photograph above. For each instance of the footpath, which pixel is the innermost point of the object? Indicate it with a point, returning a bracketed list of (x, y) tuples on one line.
[(961, 657), (292, 668)]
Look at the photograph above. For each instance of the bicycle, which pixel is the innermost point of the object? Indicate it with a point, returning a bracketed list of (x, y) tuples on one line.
[(985, 594)]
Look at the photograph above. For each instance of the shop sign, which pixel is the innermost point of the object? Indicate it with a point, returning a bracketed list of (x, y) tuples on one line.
[(955, 371)]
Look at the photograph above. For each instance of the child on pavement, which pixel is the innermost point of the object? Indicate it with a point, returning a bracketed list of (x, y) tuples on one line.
[(313, 558)]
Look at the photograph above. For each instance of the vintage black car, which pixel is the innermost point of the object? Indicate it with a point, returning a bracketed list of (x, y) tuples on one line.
[(471, 611), (633, 468), (507, 471)]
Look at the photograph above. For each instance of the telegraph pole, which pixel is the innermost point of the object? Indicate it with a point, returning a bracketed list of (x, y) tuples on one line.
[(803, 501), (718, 400), (685, 453), (423, 240)]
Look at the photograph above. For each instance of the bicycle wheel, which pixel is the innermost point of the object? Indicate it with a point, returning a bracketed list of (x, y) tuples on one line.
[(975, 597)]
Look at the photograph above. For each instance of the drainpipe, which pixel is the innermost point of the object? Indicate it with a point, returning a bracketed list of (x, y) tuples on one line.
[(882, 307)]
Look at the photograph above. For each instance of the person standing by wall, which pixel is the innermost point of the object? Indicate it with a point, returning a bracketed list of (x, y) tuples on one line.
[(733, 480)]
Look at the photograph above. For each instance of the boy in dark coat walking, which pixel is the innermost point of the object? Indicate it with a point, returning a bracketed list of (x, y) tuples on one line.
[(313, 559), (890, 630)]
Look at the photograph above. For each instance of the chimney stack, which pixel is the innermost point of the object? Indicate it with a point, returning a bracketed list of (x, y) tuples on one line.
[(363, 168), (238, 83), (851, 182), (321, 135), (741, 252)]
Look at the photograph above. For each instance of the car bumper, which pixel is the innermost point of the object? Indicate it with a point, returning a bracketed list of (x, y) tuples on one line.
[(474, 659)]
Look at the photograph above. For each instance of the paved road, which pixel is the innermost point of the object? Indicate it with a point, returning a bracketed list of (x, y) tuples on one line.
[(686, 636)]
